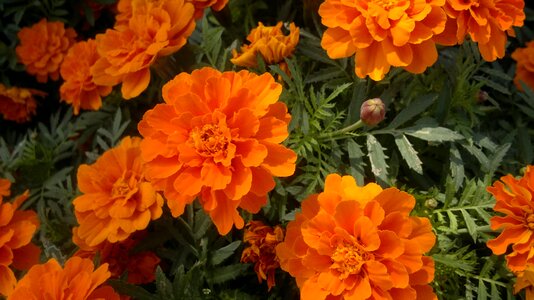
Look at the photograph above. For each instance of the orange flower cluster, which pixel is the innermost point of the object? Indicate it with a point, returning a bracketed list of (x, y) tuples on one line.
[(79, 90), (43, 47), (525, 280), (525, 66), (16, 231), (271, 43), (262, 240), (217, 136), (116, 200), (485, 21), (78, 280), (383, 33), (200, 5), (140, 266), (357, 242), (18, 104), (155, 28), (515, 200)]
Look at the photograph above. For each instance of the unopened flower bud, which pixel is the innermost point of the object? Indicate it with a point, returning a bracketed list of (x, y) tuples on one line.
[(482, 96), (372, 111), (431, 203)]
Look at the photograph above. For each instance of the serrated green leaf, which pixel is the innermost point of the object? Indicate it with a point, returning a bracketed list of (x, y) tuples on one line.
[(415, 108), (226, 273), (163, 285), (356, 161), (377, 158), (409, 154), (433, 134), (456, 167), (470, 224), (136, 292), (223, 253)]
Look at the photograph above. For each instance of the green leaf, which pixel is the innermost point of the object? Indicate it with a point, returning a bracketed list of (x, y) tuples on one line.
[(415, 108), (433, 134), (226, 273), (456, 167), (408, 153), (124, 288), (223, 253), (164, 286), (470, 224), (378, 159), (356, 161)]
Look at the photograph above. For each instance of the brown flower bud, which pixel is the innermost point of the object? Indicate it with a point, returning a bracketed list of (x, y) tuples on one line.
[(372, 111), (482, 96)]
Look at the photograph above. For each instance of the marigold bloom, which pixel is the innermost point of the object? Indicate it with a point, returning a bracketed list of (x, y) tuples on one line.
[(217, 136), (117, 200), (79, 90), (42, 48), (525, 280), (78, 280), (200, 5), (16, 231), (525, 66), (486, 22), (18, 104), (141, 266), (271, 43), (357, 242), (383, 33), (156, 28), (262, 240), (514, 200)]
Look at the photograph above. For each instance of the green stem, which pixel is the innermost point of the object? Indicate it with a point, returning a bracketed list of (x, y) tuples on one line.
[(342, 131)]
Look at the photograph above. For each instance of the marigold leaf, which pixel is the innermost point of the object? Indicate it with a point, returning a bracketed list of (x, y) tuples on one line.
[(378, 159), (223, 253), (226, 273), (409, 154), (415, 108), (433, 134)]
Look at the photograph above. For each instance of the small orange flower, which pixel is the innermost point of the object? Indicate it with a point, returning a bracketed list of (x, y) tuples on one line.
[(43, 47), (18, 104), (383, 33), (200, 5), (78, 280), (116, 200), (357, 242), (525, 66), (16, 231), (79, 90), (156, 28), (271, 43), (140, 266), (525, 280), (262, 241), (217, 136), (514, 200)]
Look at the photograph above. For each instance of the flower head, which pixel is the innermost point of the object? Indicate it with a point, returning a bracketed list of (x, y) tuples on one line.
[(43, 47), (18, 104), (383, 33), (217, 136), (262, 240), (156, 28), (200, 5), (525, 66), (525, 280), (78, 280), (116, 199), (514, 200), (16, 231), (372, 111), (359, 243)]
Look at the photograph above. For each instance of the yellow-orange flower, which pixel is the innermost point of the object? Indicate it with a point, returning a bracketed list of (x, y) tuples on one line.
[(78, 280), (78, 89), (217, 136), (524, 71), (271, 43), (16, 231), (525, 280), (357, 242), (140, 266), (383, 33), (200, 5), (262, 240), (515, 200), (18, 104), (116, 199), (43, 47), (485, 21), (156, 28)]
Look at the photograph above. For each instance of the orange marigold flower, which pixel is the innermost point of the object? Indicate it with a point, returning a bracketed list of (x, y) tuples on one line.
[(42, 48), (525, 280), (357, 242), (217, 136), (79, 90), (140, 266), (117, 200), (486, 22), (18, 104), (515, 200), (200, 5), (383, 33), (156, 28), (16, 231), (262, 240), (525, 66), (271, 43), (78, 280)]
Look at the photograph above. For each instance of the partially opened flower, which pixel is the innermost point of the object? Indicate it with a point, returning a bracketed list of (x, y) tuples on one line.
[(383, 34), (43, 47), (217, 137), (260, 251), (271, 43), (514, 198), (200, 5), (525, 281), (356, 242), (116, 199), (524, 71), (18, 104), (79, 89), (77, 280)]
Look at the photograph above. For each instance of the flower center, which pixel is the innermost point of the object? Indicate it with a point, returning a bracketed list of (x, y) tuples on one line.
[(210, 140), (348, 259), (125, 186)]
